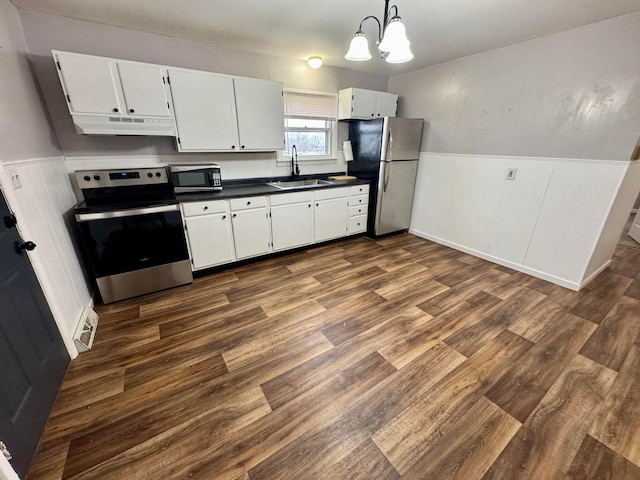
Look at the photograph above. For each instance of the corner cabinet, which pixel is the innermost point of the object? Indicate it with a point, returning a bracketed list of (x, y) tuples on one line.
[(98, 87), (224, 113), (358, 103)]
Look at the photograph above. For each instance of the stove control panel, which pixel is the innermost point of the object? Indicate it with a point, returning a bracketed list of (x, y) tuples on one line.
[(88, 179)]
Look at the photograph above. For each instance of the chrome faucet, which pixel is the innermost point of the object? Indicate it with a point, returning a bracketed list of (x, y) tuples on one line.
[(295, 168)]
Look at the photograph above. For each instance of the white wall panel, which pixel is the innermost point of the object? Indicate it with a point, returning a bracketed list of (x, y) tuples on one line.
[(42, 206), (576, 204), (517, 212), (545, 222), (615, 221)]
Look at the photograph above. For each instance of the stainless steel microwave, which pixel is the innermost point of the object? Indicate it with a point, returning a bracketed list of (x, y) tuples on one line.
[(195, 178)]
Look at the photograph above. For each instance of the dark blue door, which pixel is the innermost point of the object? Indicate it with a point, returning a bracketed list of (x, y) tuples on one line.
[(33, 358)]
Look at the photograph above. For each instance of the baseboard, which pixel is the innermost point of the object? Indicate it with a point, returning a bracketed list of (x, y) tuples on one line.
[(563, 282), (595, 274)]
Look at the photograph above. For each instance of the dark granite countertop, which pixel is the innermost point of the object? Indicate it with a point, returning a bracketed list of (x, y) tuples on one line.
[(258, 186)]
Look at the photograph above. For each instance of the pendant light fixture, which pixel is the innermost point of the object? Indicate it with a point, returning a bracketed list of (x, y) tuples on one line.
[(392, 41)]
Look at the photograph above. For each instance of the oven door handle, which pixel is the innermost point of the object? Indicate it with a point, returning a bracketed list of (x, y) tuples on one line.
[(85, 217)]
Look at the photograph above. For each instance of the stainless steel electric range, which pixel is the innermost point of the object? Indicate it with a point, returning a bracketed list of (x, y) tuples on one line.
[(131, 230)]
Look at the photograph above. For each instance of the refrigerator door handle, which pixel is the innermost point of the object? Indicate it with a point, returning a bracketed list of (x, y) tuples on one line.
[(385, 182)]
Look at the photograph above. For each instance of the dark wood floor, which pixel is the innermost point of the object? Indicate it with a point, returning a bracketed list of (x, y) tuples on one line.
[(363, 359)]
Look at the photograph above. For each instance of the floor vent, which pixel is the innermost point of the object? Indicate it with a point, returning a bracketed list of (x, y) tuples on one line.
[(86, 331)]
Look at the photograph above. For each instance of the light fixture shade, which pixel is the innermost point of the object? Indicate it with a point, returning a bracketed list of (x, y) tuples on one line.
[(359, 49), (314, 62), (395, 36), (400, 54)]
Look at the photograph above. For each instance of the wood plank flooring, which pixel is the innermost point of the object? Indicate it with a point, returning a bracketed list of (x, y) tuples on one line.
[(395, 358)]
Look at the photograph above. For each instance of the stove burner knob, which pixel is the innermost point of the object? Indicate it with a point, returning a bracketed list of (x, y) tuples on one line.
[(96, 177), (158, 174), (149, 174), (86, 178)]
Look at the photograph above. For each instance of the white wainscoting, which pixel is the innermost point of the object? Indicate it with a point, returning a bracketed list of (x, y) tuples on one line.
[(42, 206), (545, 222)]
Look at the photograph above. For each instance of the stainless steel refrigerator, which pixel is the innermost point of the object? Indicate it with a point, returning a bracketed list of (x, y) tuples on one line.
[(386, 152)]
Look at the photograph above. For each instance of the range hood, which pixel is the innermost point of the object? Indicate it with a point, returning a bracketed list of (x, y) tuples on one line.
[(107, 125)]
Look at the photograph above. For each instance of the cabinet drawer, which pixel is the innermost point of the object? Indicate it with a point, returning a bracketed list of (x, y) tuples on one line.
[(329, 193), (357, 210), (245, 203), (358, 224), (360, 190), (191, 209), (288, 198), (359, 200)]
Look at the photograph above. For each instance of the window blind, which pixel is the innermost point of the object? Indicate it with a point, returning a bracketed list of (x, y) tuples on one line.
[(310, 105)]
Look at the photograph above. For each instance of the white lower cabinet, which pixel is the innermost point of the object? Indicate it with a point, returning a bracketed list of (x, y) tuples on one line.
[(209, 235), (223, 231), (250, 227), (291, 220), (331, 213)]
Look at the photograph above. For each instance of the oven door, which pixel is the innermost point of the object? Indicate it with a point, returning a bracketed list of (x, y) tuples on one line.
[(127, 240)]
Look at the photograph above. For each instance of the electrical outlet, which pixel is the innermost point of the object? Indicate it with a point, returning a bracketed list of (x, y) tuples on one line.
[(15, 178), (511, 173)]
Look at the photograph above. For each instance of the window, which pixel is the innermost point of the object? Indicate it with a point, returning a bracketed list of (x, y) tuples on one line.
[(310, 124)]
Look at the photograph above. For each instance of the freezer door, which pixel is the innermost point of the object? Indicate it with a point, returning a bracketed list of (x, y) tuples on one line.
[(395, 196), (401, 138)]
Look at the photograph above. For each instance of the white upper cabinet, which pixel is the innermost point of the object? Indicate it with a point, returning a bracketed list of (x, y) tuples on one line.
[(260, 110), (205, 111), (358, 103), (90, 84), (104, 86), (220, 112), (144, 89), (386, 104)]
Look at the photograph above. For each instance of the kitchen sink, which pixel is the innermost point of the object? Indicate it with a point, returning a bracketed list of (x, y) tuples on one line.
[(299, 184)]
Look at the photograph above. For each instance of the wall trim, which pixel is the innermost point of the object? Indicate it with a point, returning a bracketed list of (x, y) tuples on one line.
[(528, 158), (28, 161), (501, 261)]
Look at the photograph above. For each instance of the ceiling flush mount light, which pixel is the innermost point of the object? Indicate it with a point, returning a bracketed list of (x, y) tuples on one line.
[(314, 62), (392, 41)]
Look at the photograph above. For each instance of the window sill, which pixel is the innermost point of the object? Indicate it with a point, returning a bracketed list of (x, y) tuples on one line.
[(308, 161)]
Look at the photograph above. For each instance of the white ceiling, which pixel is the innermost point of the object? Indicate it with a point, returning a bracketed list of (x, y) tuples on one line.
[(439, 30)]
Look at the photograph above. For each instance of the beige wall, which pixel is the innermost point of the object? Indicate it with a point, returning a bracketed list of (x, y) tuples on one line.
[(575, 94), (46, 32), (25, 131)]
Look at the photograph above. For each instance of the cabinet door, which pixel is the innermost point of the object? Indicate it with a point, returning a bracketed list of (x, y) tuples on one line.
[(292, 225), (250, 232), (386, 105), (205, 111), (144, 89), (209, 240), (330, 219), (363, 104), (90, 83), (260, 109)]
